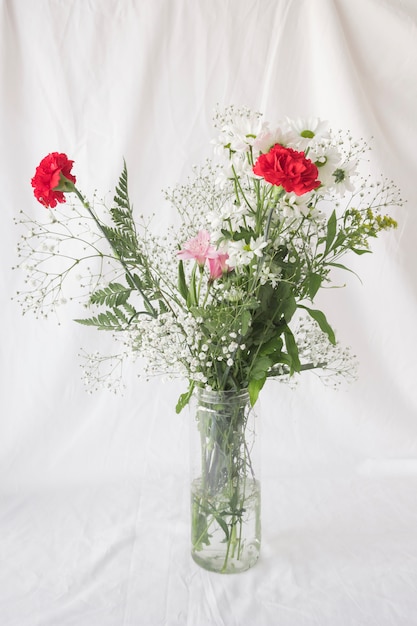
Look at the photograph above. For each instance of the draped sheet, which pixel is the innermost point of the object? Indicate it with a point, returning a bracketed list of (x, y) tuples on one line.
[(94, 487)]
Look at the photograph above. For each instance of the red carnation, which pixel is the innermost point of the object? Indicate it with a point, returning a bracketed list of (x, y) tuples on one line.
[(288, 168), (53, 177)]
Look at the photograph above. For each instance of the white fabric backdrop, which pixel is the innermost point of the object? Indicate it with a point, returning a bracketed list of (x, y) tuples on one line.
[(93, 488)]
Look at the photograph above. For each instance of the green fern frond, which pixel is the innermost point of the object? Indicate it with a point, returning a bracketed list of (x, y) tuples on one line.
[(103, 321), (122, 234), (130, 310), (123, 242), (124, 221), (121, 197), (115, 294), (118, 313)]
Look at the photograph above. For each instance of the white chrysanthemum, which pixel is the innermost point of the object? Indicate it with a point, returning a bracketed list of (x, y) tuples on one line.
[(304, 131), (230, 216), (268, 276), (242, 253), (268, 138), (296, 206), (238, 129), (235, 164), (225, 174), (342, 178), (327, 159)]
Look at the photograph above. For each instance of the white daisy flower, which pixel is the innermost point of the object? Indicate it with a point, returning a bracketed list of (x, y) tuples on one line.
[(242, 253), (303, 131), (327, 158), (342, 178), (296, 206), (268, 138), (240, 130)]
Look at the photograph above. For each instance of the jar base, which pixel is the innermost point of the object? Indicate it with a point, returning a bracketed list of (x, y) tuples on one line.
[(216, 563)]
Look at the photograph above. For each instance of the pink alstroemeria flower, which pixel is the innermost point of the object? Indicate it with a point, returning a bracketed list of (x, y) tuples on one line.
[(198, 248), (218, 265)]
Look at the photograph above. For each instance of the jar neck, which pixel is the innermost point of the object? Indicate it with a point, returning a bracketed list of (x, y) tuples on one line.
[(240, 396)]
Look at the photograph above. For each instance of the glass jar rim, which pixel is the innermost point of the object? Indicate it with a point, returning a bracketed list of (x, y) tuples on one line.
[(214, 395)]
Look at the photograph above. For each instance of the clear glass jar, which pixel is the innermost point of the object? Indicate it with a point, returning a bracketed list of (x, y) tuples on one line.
[(225, 488)]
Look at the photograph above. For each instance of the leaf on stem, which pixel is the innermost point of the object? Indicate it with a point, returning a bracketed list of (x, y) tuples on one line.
[(331, 231), (254, 388), (184, 398), (182, 285), (321, 320), (314, 284)]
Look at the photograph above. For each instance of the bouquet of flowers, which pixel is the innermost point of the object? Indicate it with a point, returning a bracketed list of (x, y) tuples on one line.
[(224, 300), (217, 301)]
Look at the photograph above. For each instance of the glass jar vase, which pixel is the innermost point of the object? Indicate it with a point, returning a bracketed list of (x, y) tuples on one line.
[(225, 488)]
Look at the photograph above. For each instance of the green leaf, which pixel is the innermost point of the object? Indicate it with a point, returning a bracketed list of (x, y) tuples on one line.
[(199, 530), (254, 388), (137, 283), (282, 358), (121, 197), (257, 377), (192, 291), (347, 269), (341, 237), (245, 319), (234, 500), (121, 316), (341, 266), (331, 231), (360, 251), (184, 398), (259, 368), (292, 350), (288, 307), (182, 285), (222, 524), (88, 321), (273, 345), (114, 294), (321, 320), (314, 284), (238, 235), (106, 321), (149, 308)]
